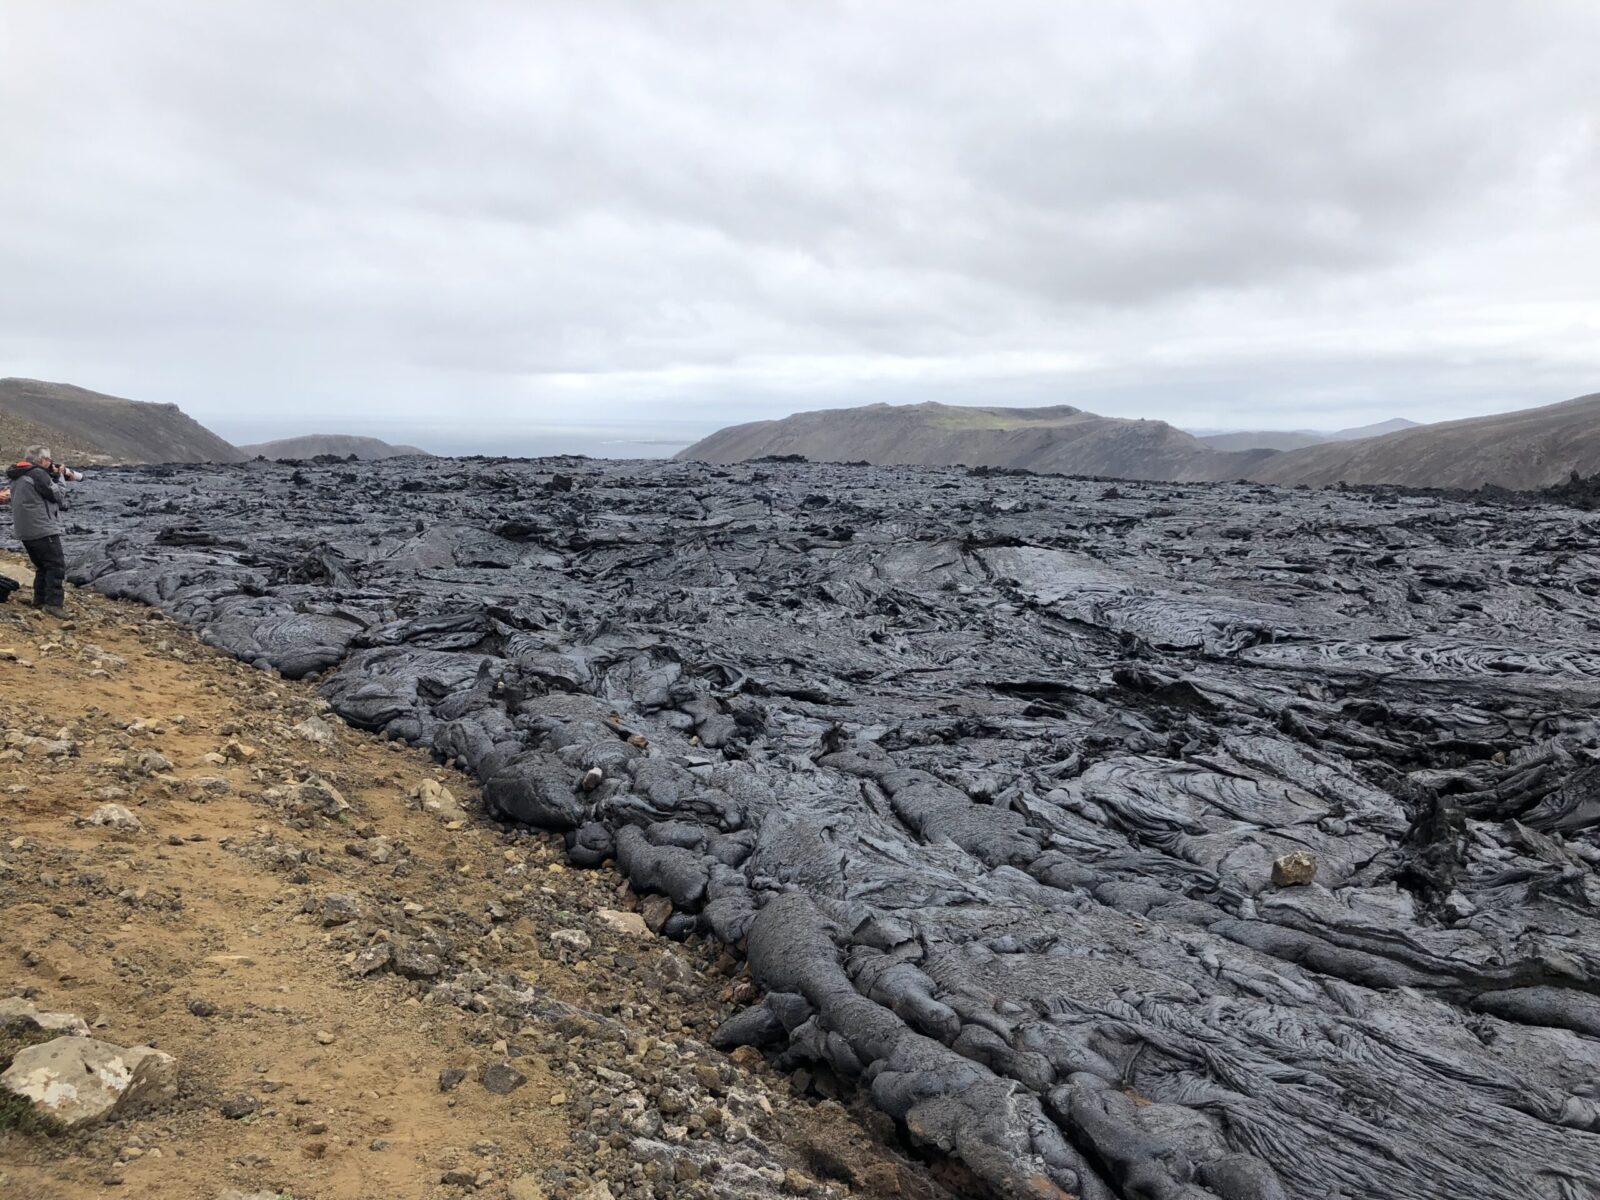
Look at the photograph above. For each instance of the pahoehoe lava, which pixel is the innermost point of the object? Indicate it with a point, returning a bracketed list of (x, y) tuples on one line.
[(987, 774)]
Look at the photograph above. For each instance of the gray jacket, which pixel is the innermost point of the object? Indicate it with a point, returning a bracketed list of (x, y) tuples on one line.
[(36, 503)]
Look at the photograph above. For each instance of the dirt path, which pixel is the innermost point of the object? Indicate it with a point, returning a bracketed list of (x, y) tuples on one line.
[(208, 932)]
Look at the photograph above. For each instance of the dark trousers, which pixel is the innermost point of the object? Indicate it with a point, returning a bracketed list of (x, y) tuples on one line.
[(49, 557)]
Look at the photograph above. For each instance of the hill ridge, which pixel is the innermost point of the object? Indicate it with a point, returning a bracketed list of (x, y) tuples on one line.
[(1058, 438), (87, 426), (1521, 450), (310, 445)]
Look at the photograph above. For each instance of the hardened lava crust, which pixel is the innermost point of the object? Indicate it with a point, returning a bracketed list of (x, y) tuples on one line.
[(1129, 840)]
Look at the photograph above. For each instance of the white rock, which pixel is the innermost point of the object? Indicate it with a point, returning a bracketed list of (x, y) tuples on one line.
[(572, 939), (315, 729), (152, 762), (672, 969), (40, 747), (630, 923), (116, 817), (78, 1081), (434, 797), (17, 1011)]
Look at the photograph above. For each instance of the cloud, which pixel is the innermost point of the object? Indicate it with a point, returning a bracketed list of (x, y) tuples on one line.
[(665, 218)]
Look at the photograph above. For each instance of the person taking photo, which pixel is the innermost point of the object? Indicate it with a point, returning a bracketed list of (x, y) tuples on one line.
[(38, 494)]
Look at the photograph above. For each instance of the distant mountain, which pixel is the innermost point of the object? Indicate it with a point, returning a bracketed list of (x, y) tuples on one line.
[(1265, 439), (341, 444), (84, 426), (1059, 439), (1295, 439), (1376, 429), (1533, 448)]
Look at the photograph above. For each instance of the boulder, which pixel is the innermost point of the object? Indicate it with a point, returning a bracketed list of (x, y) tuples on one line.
[(79, 1081)]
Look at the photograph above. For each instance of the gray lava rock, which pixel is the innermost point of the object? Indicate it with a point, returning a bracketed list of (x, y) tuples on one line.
[(240, 1106), (338, 909), (501, 1078), (373, 958), (416, 960), (322, 797), (986, 774), (450, 1077)]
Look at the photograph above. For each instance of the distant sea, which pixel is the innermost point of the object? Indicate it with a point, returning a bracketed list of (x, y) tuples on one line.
[(546, 443), (625, 449), (456, 439)]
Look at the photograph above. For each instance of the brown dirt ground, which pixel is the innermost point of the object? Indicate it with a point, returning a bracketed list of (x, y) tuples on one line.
[(126, 929)]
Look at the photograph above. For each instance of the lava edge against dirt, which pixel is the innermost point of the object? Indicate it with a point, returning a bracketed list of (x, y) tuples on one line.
[(987, 775)]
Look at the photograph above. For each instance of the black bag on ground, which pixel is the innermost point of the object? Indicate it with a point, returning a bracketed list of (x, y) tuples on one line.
[(7, 586)]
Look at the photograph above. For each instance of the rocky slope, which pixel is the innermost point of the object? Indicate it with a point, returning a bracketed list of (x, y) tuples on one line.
[(343, 445), (1120, 841), (365, 986), (1533, 448), (1059, 439), (84, 426)]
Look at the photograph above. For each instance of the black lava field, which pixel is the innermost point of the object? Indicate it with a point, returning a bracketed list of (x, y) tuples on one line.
[(987, 776)]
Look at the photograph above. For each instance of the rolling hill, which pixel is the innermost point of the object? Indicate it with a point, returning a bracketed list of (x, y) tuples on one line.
[(1059, 439), (313, 444), (84, 426)]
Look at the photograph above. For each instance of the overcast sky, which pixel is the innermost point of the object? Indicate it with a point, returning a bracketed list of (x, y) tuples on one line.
[(538, 224)]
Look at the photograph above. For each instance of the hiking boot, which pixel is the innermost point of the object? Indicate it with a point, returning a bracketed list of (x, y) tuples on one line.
[(56, 611)]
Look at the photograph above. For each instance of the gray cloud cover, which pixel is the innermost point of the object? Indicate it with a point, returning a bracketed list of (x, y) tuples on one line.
[(476, 223)]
